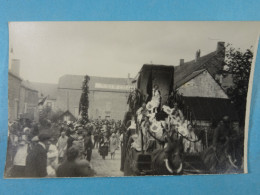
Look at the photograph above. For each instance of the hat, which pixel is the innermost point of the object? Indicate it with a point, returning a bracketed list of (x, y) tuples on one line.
[(44, 137), (26, 129), (35, 139)]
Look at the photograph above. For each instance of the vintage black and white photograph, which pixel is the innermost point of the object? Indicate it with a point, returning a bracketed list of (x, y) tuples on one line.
[(115, 99)]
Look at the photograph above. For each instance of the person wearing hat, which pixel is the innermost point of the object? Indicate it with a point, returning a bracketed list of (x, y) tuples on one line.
[(72, 137), (36, 161), (222, 133), (88, 144), (79, 143), (215, 156), (74, 166), (103, 145)]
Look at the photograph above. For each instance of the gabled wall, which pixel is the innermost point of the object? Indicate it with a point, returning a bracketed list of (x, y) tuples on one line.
[(202, 85)]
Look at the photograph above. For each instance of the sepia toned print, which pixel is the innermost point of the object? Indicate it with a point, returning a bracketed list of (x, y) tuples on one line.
[(113, 99)]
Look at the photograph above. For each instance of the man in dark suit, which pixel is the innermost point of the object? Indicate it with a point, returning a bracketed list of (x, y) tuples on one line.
[(36, 161), (88, 145), (74, 167)]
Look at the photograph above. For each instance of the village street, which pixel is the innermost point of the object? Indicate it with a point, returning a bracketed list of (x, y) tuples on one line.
[(107, 167)]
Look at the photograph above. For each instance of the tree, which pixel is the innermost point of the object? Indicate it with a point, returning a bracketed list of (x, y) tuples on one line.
[(44, 116), (84, 101), (239, 65), (55, 116), (47, 116)]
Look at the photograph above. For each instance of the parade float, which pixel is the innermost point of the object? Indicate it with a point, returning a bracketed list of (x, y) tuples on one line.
[(160, 135)]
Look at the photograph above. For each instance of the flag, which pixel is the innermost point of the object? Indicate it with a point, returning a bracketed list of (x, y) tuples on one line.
[(42, 101)]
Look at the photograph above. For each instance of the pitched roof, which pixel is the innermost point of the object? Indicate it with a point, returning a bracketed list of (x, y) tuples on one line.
[(28, 85), (95, 83), (14, 75), (210, 62), (188, 78), (67, 112), (211, 109), (46, 89)]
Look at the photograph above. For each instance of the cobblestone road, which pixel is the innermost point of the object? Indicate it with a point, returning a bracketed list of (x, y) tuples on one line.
[(107, 167)]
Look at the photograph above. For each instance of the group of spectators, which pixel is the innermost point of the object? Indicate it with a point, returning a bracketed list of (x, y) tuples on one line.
[(58, 149)]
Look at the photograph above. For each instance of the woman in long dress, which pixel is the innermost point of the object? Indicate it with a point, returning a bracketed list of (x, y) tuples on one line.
[(113, 145), (103, 146), (156, 98)]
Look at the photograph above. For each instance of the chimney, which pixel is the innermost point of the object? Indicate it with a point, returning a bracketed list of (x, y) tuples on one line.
[(15, 67), (221, 47), (181, 62), (197, 56)]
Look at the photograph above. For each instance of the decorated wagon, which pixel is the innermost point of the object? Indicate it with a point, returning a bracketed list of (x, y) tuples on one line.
[(164, 133), (154, 141)]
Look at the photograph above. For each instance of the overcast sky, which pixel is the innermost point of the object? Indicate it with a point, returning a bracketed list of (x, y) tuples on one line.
[(48, 50)]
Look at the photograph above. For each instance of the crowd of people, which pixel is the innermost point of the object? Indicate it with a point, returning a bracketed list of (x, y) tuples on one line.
[(59, 149), (65, 149)]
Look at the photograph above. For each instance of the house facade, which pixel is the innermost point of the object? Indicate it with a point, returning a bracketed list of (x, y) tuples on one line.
[(14, 86), (213, 62), (200, 84), (28, 102), (204, 88), (22, 98), (107, 96)]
